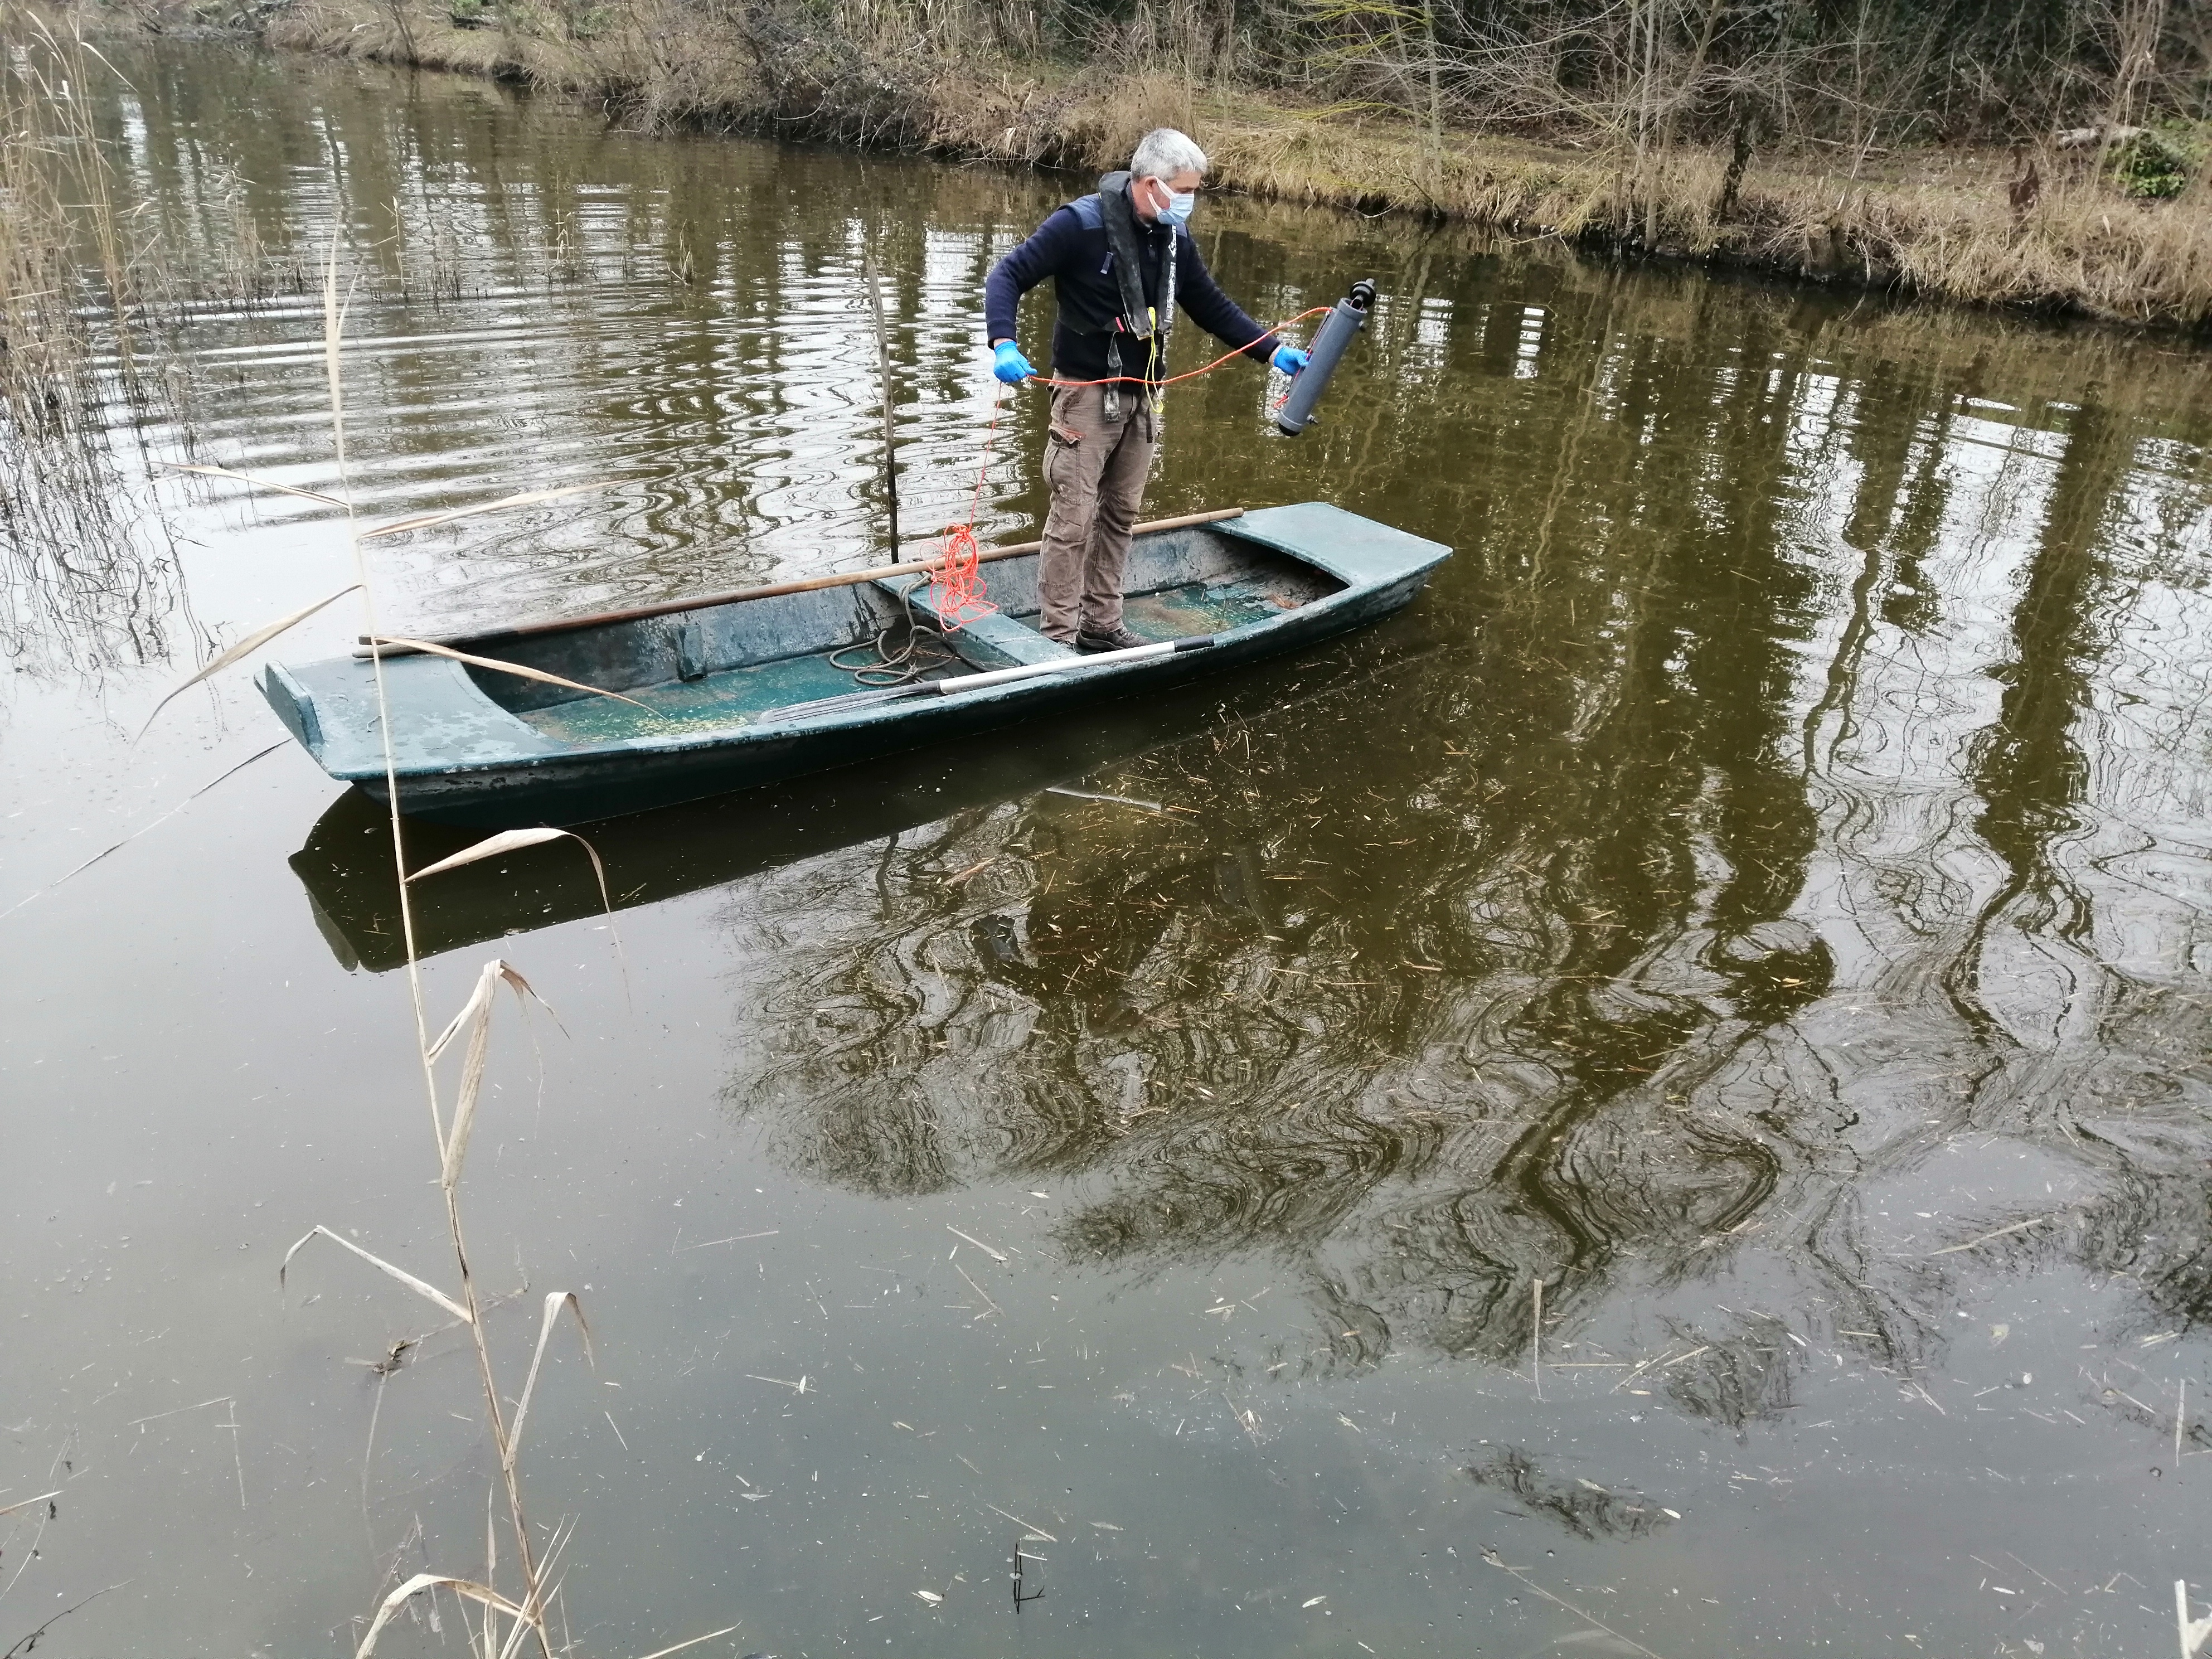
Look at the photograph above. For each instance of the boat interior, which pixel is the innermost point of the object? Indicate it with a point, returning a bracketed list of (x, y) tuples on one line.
[(730, 663)]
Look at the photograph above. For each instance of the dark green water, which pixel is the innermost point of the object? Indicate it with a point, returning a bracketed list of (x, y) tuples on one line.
[(1759, 892)]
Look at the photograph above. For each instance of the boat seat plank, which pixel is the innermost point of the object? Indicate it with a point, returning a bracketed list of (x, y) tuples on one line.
[(994, 642)]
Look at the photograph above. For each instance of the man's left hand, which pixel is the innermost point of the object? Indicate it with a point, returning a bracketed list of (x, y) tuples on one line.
[(1289, 359)]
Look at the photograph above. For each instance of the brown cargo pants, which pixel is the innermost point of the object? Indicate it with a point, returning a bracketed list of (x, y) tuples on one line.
[(1096, 469)]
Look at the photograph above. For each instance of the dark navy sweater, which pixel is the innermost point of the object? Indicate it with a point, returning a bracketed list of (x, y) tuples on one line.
[(1070, 248)]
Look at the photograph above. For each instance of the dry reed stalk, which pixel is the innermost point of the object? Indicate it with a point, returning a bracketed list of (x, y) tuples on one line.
[(24, 1644), (1536, 1334), (466, 1588), (509, 841), (378, 643), (246, 648), (1491, 1559), (258, 484), (2193, 1632), (529, 1612), (528, 497), (83, 572), (421, 1287)]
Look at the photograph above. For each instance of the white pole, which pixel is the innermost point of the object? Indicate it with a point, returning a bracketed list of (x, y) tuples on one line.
[(1055, 664)]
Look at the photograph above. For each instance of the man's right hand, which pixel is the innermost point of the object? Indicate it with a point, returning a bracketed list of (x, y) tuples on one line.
[(1009, 365)]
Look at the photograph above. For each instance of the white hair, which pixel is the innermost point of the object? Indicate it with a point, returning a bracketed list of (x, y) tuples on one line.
[(1162, 152)]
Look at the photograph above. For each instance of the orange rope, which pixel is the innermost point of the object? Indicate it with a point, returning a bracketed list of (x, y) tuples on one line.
[(956, 580), (1205, 368)]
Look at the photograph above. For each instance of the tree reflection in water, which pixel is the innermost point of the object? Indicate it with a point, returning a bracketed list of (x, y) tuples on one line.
[(1788, 803)]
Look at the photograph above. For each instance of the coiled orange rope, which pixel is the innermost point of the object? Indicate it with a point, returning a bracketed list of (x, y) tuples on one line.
[(956, 579), (956, 582)]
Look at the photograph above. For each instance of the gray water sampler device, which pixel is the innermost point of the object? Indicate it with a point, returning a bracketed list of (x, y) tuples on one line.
[(1344, 319)]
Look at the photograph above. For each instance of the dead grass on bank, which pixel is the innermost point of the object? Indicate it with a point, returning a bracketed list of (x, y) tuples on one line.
[(2079, 247), (1937, 223)]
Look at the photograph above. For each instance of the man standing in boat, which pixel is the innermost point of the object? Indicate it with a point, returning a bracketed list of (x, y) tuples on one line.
[(1121, 260)]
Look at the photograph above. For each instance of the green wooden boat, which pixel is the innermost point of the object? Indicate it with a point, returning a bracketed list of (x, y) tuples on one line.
[(718, 695)]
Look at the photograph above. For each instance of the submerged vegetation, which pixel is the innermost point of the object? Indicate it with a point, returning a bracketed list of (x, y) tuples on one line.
[(2050, 155)]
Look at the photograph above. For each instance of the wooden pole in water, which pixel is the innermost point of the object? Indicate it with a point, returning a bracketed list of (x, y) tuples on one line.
[(883, 369)]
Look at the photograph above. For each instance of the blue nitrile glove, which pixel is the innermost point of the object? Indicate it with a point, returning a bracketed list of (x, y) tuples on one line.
[(1289, 359), (1008, 363)]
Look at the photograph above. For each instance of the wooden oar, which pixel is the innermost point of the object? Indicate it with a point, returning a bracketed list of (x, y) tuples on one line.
[(772, 590)]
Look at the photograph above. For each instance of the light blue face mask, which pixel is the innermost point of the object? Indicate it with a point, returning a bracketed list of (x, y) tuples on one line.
[(1180, 204)]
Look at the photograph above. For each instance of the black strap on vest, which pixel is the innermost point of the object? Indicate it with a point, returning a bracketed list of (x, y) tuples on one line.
[(1118, 215)]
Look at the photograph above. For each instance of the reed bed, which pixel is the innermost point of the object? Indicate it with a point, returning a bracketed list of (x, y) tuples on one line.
[(84, 577), (88, 316), (102, 283)]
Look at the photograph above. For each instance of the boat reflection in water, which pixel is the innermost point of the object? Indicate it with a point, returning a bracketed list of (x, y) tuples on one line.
[(346, 863)]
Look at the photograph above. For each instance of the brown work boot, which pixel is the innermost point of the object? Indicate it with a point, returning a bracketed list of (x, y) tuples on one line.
[(1089, 641)]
